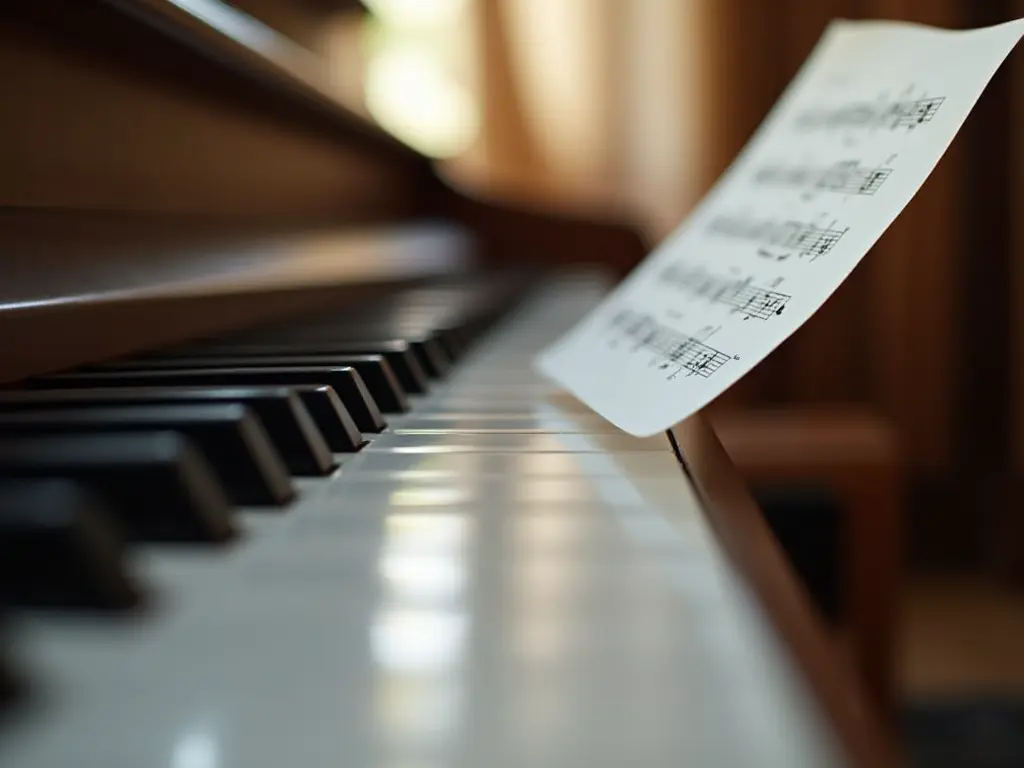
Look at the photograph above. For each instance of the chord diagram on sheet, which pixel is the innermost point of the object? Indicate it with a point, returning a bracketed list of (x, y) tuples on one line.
[(676, 350), (800, 237), (846, 177), (740, 295), (908, 113)]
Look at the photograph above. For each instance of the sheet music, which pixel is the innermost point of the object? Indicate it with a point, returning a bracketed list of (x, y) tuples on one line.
[(840, 155)]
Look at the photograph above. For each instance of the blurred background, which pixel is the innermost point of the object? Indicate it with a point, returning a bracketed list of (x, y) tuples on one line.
[(633, 109), (886, 438)]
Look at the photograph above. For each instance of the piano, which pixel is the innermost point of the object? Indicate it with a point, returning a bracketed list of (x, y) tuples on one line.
[(278, 485)]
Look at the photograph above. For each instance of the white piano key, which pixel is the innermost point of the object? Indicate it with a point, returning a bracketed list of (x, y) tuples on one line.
[(506, 608)]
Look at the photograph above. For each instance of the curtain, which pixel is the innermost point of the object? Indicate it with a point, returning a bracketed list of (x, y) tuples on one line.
[(640, 105)]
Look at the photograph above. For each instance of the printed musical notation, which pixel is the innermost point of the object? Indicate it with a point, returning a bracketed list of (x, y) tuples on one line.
[(834, 163), (677, 350), (741, 295), (805, 239), (908, 113), (846, 177)]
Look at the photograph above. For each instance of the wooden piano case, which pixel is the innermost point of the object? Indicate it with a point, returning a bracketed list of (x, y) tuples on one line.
[(163, 179)]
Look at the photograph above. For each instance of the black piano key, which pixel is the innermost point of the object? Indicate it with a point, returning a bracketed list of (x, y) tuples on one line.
[(59, 548), (450, 341), (425, 344), (374, 370), (358, 400), (11, 684), (378, 378), (157, 484), (431, 355), (403, 361), (230, 437), (345, 381), (400, 356), (284, 416), (332, 418)]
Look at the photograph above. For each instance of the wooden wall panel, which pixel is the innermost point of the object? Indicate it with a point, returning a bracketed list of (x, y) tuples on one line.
[(1016, 157), (915, 332), (817, 360), (918, 333), (911, 291), (1007, 542), (746, 69)]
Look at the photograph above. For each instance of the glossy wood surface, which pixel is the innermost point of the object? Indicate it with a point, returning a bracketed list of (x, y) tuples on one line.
[(155, 156), (163, 182), (744, 535), (855, 457), (155, 111), (84, 287)]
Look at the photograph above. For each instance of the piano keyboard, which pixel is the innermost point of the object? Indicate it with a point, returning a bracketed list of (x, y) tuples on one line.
[(372, 539)]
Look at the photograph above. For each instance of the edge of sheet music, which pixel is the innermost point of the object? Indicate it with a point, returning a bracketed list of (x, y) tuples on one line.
[(843, 151)]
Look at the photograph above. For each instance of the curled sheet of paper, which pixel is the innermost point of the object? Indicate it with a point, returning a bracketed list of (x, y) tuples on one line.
[(843, 151)]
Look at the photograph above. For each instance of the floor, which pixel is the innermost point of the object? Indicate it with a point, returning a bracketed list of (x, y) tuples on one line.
[(961, 635), (962, 674)]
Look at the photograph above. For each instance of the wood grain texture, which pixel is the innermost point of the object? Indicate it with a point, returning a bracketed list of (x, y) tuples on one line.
[(121, 117), (918, 330), (856, 457), (743, 533), (819, 365), (746, 68), (519, 233), (83, 287), (1007, 535), (1017, 243), (911, 289), (156, 124)]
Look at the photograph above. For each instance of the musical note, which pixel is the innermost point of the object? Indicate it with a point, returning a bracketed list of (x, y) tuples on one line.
[(892, 115), (744, 297), (805, 239), (676, 349), (835, 161), (846, 177)]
